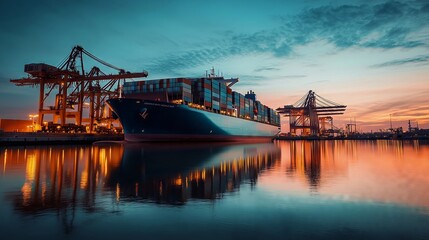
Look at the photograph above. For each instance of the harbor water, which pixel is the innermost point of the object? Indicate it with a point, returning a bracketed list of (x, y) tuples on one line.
[(342, 189)]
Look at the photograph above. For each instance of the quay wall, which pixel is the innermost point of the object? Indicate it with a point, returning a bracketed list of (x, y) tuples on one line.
[(29, 138)]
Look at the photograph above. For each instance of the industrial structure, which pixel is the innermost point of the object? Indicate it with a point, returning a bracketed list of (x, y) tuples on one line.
[(312, 114), (75, 89)]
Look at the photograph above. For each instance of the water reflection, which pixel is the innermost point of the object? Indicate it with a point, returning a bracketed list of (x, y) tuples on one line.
[(58, 177), (305, 158), (381, 171), (302, 189), (174, 173)]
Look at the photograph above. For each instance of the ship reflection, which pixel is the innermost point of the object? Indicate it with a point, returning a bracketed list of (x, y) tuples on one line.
[(175, 173), (63, 179)]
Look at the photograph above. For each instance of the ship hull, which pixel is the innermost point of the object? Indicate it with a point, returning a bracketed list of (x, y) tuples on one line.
[(148, 121)]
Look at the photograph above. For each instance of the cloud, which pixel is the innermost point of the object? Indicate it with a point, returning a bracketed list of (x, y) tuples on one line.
[(312, 83), (425, 8), (266, 69), (406, 107), (251, 80), (387, 25), (377, 105), (294, 76), (423, 59), (247, 83), (412, 112)]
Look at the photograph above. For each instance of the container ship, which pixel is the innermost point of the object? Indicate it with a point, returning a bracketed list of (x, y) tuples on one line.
[(192, 109)]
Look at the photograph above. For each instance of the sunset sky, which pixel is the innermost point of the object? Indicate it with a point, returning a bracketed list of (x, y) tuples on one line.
[(372, 57)]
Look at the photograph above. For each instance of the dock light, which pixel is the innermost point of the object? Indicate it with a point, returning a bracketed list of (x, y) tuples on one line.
[(33, 119)]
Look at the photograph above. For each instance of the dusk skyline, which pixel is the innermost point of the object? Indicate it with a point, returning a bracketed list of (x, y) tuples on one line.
[(371, 57)]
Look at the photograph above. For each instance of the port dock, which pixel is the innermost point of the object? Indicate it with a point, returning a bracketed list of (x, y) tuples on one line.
[(29, 138), (355, 137)]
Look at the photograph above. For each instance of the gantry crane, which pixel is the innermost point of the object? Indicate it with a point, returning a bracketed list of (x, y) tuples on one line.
[(75, 87), (311, 112)]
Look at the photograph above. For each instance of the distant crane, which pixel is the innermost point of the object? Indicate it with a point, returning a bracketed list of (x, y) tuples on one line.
[(75, 87), (311, 112)]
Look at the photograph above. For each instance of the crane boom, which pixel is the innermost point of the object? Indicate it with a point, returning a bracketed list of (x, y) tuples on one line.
[(77, 78), (94, 86)]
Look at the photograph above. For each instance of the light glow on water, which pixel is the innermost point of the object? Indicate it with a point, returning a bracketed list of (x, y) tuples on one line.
[(375, 171), (297, 189)]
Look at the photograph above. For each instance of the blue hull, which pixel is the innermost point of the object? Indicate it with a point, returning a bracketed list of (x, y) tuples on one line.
[(145, 120)]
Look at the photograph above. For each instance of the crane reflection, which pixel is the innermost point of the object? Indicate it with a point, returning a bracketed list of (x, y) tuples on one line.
[(63, 178)]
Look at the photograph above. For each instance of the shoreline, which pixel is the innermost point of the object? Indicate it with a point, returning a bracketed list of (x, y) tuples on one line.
[(29, 138), (316, 138)]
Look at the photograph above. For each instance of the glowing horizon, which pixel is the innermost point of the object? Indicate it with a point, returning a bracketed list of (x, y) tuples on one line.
[(372, 57)]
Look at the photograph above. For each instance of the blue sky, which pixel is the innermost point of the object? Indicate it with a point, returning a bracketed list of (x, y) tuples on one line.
[(372, 57)]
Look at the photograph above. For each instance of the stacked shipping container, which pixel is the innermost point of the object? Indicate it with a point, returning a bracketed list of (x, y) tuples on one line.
[(229, 106), (170, 89), (202, 92), (215, 95), (205, 92), (223, 97)]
